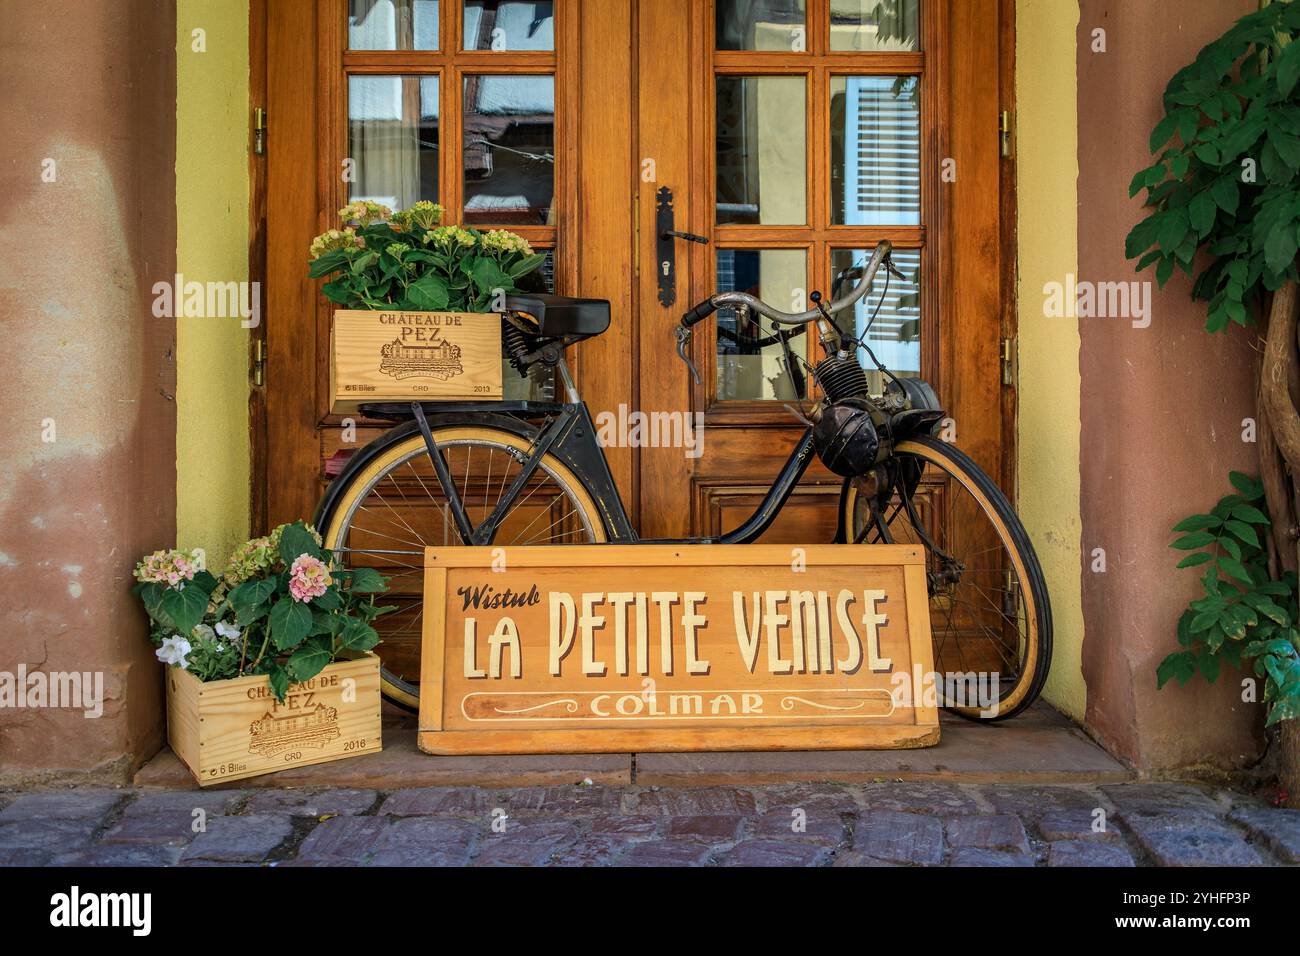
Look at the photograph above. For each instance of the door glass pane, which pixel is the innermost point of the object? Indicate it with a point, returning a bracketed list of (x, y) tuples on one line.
[(875, 25), (509, 25), (761, 150), (875, 151), (392, 24), (749, 367), (761, 25), (509, 149), (895, 334), (393, 139)]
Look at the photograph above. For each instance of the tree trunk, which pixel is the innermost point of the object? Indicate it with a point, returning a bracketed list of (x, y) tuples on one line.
[(1279, 434)]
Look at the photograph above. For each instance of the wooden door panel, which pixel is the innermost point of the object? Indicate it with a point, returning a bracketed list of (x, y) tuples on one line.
[(634, 98)]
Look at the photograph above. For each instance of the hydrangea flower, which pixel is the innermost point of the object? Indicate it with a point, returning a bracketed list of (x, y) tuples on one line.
[(168, 567), (451, 235), (335, 240), (308, 578), (250, 559), (502, 240), (174, 651), (256, 557), (424, 215), (363, 212)]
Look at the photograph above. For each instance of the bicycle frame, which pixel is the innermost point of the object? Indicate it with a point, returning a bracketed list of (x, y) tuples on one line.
[(570, 435)]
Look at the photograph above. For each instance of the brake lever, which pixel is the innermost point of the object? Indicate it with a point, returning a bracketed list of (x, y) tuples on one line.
[(683, 336), (893, 270)]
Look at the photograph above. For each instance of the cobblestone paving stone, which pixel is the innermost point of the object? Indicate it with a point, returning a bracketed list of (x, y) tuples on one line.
[(876, 824)]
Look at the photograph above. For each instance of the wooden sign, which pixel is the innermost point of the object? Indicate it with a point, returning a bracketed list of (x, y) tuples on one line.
[(231, 729), (609, 648), (380, 356)]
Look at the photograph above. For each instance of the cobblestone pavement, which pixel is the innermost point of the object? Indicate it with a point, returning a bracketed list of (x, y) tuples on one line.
[(876, 824)]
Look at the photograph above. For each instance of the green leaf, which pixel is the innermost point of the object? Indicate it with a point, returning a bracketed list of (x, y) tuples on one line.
[(488, 277), (1164, 271), (329, 601), (185, 608), (1192, 560), (330, 262), (151, 594), (310, 659), (1288, 708), (1180, 667), (1197, 539), (1174, 226), (1288, 69), (279, 678), (1163, 132), (1250, 513), (205, 581), (1209, 664), (367, 581), (296, 541), (1235, 568), (1225, 193), (359, 636), (428, 293), (1197, 523), (290, 622), (528, 263), (1243, 531), (1202, 211), (1248, 486), (249, 599)]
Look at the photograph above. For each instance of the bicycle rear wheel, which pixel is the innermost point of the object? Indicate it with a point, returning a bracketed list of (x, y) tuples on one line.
[(394, 507), (989, 609)]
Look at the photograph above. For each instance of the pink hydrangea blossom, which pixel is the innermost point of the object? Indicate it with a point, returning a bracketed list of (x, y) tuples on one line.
[(308, 578), (167, 567)]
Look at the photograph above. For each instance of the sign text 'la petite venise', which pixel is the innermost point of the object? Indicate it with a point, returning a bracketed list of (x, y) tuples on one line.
[(657, 647)]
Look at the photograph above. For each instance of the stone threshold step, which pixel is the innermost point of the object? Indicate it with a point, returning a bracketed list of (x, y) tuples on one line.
[(1040, 747)]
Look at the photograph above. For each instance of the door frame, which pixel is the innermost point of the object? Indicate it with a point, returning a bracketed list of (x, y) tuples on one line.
[(609, 147)]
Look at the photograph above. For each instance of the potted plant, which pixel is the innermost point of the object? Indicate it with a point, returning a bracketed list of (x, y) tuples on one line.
[(416, 301), (269, 665)]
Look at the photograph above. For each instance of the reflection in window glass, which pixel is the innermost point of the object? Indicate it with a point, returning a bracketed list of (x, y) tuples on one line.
[(393, 138), (761, 150), (393, 24), (509, 25), (875, 151), (509, 149), (750, 367), (895, 335), (761, 25), (875, 25)]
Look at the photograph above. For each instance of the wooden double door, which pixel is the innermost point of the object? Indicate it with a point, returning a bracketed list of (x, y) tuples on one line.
[(792, 135)]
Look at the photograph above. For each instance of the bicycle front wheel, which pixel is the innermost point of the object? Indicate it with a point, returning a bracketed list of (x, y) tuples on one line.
[(989, 610), (394, 507)]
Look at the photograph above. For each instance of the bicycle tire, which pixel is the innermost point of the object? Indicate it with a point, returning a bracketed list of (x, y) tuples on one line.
[(335, 521), (1011, 532)]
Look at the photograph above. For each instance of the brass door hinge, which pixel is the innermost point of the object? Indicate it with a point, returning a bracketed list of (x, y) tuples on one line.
[(1009, 370), (259, 362), (259, 131), (1004, 131)]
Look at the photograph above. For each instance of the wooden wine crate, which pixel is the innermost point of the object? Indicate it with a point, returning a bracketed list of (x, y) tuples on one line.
[(230, 729), (378, 356)]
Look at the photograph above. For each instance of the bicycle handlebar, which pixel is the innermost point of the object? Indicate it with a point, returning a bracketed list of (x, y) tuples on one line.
[(719, 299)]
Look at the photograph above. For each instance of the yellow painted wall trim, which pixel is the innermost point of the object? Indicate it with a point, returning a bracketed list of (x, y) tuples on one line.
[(212, 195), (1047, 172)]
